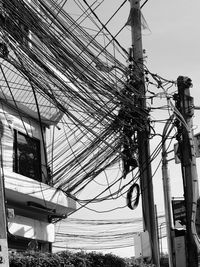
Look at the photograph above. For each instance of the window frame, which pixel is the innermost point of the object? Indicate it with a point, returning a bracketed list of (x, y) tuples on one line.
[(16, 156)]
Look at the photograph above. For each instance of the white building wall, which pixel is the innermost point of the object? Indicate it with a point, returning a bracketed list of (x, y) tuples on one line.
[(11, 120), (20, 189), (31, 228)]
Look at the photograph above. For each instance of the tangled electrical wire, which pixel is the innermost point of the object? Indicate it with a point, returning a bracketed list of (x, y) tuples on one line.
[(99, 234), (50, 64)]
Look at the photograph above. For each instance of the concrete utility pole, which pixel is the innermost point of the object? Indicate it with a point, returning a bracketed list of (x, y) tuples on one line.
[(167, 195), (188, 162), (149, 217), (4, 260)]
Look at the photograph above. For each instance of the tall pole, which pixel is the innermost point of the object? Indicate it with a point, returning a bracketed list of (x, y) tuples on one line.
[(4, 260), (188, 163), (160, 232), (167, 196), (148, 207)]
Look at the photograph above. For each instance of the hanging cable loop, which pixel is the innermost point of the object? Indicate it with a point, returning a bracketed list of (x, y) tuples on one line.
[(132, 203)]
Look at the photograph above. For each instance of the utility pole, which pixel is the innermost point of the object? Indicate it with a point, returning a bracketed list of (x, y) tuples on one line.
[(148, 207), (167, 195), (4, 260), (184, 104)]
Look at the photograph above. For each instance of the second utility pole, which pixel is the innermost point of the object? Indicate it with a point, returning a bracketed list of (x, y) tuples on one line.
[(185, 138), (148, 207)]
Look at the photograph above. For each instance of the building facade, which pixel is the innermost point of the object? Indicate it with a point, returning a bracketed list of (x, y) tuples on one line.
[(32, 202)]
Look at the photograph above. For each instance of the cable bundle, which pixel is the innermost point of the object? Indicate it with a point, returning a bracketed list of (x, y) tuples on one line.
[(55, 68)]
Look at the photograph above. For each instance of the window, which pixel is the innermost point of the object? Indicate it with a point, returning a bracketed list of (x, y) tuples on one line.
[(27, 158)]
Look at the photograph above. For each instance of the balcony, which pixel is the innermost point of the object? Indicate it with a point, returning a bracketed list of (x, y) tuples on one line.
[(26, 192)]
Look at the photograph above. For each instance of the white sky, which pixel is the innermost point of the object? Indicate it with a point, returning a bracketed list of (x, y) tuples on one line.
[(172, 47)]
